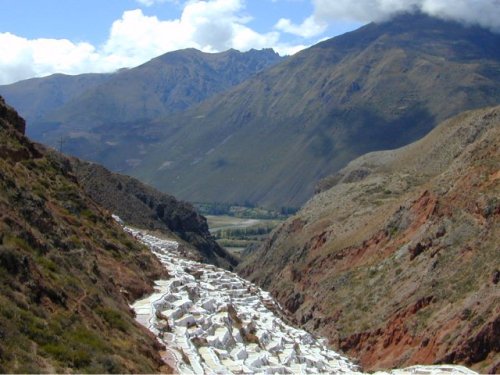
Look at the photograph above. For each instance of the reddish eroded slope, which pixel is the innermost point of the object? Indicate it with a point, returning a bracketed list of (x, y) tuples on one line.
[(397, 259)]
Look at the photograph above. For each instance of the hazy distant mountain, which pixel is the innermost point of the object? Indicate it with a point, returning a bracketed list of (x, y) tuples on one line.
[(270, 139), (396, 260), (166, 84), (37, 97)]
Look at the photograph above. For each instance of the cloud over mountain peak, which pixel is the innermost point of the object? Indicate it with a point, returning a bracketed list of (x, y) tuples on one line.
[(485, 13)]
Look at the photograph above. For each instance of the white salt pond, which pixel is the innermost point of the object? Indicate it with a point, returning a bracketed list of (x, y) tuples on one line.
[(214, 322)]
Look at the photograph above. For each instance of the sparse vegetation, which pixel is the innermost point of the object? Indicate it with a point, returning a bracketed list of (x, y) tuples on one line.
[(349, 251), (56, 313)]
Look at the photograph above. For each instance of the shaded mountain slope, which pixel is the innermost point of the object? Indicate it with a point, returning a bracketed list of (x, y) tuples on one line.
[(166, 84), (96, 112), (144, 207), (270, 139), (396, 260), (67, 270)]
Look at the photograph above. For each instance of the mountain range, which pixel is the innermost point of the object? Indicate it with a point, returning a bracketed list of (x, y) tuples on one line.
[(164, 85), (395, 260), (393, 257), (267, 136)]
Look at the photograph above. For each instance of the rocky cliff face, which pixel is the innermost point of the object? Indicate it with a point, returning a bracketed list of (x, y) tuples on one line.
[(144, 207), (396, 259), (67, 270)]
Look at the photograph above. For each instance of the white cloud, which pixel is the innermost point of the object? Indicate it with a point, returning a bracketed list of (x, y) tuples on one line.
[(285, 49), (211, 26), (307, 29), (485, 13), (21, 58), (136, 38)]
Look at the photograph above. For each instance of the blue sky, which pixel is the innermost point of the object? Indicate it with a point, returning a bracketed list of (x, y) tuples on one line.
[(41, 37), (91, 20)]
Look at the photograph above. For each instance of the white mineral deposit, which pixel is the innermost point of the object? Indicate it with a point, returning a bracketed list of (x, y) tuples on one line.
[(214, 322)]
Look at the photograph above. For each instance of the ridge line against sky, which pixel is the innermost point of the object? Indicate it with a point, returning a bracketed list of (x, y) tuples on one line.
[(42, 37)]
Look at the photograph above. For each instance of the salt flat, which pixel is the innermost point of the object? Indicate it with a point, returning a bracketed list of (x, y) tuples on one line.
[(214, 322)]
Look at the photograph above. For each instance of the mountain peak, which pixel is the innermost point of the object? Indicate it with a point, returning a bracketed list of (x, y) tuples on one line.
[(268, 52), (424, 33)]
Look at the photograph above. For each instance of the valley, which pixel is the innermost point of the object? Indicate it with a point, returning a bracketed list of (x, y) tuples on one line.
[(215, 211), (255, 128), (236, 233)]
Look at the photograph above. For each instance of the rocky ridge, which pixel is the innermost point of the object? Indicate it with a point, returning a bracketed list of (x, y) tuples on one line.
[(401, 251), (106, 117)]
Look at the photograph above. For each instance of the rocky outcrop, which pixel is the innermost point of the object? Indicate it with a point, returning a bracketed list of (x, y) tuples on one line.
[(10, 118), (395, 259), (142, 206)]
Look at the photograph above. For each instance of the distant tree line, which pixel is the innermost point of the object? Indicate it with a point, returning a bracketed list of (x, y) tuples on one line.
[(242, 233), (246, 211)]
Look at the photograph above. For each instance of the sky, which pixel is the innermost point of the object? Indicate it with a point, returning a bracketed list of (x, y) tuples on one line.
[(42, 37)]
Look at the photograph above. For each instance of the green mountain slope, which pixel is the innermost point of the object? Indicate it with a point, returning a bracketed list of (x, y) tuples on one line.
[(269, 140), (396, 260), (166, 84), (67, 270)]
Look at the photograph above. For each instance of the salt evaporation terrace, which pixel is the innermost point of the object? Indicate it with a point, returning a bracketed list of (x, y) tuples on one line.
[(214, 322)]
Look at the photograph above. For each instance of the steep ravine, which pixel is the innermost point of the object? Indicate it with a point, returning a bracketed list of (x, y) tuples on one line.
[(67, 270), (212, 321), (396, 259), (149, 208)]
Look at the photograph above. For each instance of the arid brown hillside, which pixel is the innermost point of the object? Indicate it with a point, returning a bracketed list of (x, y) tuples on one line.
[(67, 271), (397, 259)]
